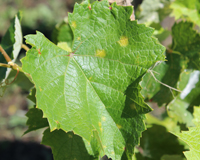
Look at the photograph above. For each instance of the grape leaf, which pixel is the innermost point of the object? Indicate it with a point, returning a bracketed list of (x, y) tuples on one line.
[(192, 138), (35, 120), (11, 42), (189, 9), (95, 90)]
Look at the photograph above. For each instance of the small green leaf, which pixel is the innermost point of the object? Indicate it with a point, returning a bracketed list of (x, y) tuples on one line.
[(35, 120), (66, 146)]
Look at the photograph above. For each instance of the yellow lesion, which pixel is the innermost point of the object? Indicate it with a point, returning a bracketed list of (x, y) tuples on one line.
[(40, 88), (58, 124), (90, 78), (100, 53), (73, 24), (132, 106), (103, 119), (123, 41), (99, 124), (70, 136), (119, 126), (79, 38)]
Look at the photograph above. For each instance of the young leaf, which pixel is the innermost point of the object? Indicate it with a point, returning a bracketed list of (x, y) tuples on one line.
[(95, 90), (11, 42)]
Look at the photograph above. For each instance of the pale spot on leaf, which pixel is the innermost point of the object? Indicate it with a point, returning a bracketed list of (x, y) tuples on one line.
[(40, 89), (123, 41), (119, 126), (100, 53), (73, 24), (103, 119), (70, 136), (99, 124), (132, 106)]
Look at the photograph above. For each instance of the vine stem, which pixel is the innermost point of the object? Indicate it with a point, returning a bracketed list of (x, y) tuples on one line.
[(5, 65), (25, 47), (5, 54)]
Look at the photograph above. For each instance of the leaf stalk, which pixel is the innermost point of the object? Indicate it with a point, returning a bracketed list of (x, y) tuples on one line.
[(25, 47), (8, 59)]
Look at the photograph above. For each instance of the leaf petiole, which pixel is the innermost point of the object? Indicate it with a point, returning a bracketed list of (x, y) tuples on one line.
[(5, 65), (25, 47), (5, 54)]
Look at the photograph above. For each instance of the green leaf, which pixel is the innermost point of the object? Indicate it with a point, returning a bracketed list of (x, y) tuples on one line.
[(95, 90), (11, 42), (189, 9), (35, 120), (192, 138), (73, 146)]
